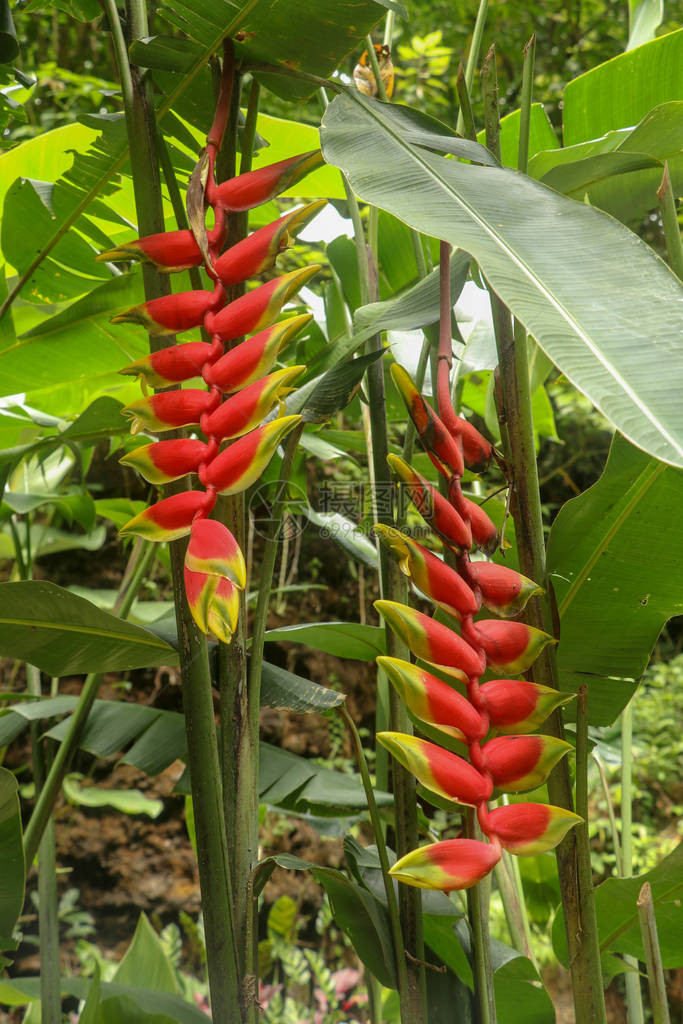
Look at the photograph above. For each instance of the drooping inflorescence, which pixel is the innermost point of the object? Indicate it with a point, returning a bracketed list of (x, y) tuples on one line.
[(239, 390), (495, 719)]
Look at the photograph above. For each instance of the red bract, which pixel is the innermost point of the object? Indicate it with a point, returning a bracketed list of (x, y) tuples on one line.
[(171, 314), (168, 409), (170, 251), (247, 362), (258, 308), (164, 461), (257, 187), (171, 365), (438, 443), (259, 251), (434, 509)]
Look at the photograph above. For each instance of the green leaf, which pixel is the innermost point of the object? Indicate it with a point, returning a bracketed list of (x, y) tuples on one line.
[(145, 964), (128, 801), (77, 344), (541, 135), (615, 561), (90, 1011), (343, 639), (617, 913), (568, 290), (124, 1008), (337, 388), (20, 991), (358, 913), (64, 635), (348, 534), (282, 689), (645, 18), (11, 858), (620, 92)]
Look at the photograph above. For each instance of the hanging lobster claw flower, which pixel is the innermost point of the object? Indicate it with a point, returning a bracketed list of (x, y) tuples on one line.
[(170, 314), (168, 409), (438, 513), (253, 358), (437, 769), (258, 308), (170, 365), (475, 448), (256, 187), (431, 642), (168, 519), (169, 251), (243, 411), (258, 252), (448, 865), (242, 463), (520, 763), (444, 452), (510, 646), (164, 461), (484, 531), (433, 701), (516, 706), (503, 590), (530, 829), (430, 574), (214, 551), (213, 602)]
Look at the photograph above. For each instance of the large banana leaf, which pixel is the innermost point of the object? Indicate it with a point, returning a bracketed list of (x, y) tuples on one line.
[(616, 563), (601, 305)]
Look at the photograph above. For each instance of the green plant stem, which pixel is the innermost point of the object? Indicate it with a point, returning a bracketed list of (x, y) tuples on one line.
[(176, 201), (138, 564), (205, 779), (611, 815), (473, 55), (672, 229), (465, 115), (388, 28), (525, 104), (587, 910), (513, 907), (48, 926), (653, 956), (634, 996), (477, 912), (389, 890), (374, 63), (249, 133)]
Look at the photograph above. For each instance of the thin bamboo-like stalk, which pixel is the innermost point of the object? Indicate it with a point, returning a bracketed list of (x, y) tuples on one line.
[(473, 55), (653, 956), (634, 996), (672, 229)]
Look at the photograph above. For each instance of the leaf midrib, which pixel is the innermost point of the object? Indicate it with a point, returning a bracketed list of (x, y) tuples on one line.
[(151, 641)]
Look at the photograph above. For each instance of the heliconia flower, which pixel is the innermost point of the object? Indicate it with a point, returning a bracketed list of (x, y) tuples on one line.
[(252, 358), (484, 531), (429, 573), (258, 308), (439, 444), (503, 590), (448, 865), (169, 518), (259, 250), (164, 461), (432, 700), (169, 314), (169, 251), (432, 642), (214, 603), (437, 769), (519, 763), (530, 829), (438, 513), (256, 187), (475, 448), (517, 706), (242, 463), (510, 646), (214, 551), (168, 409), (170, 365), (245, 410)]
